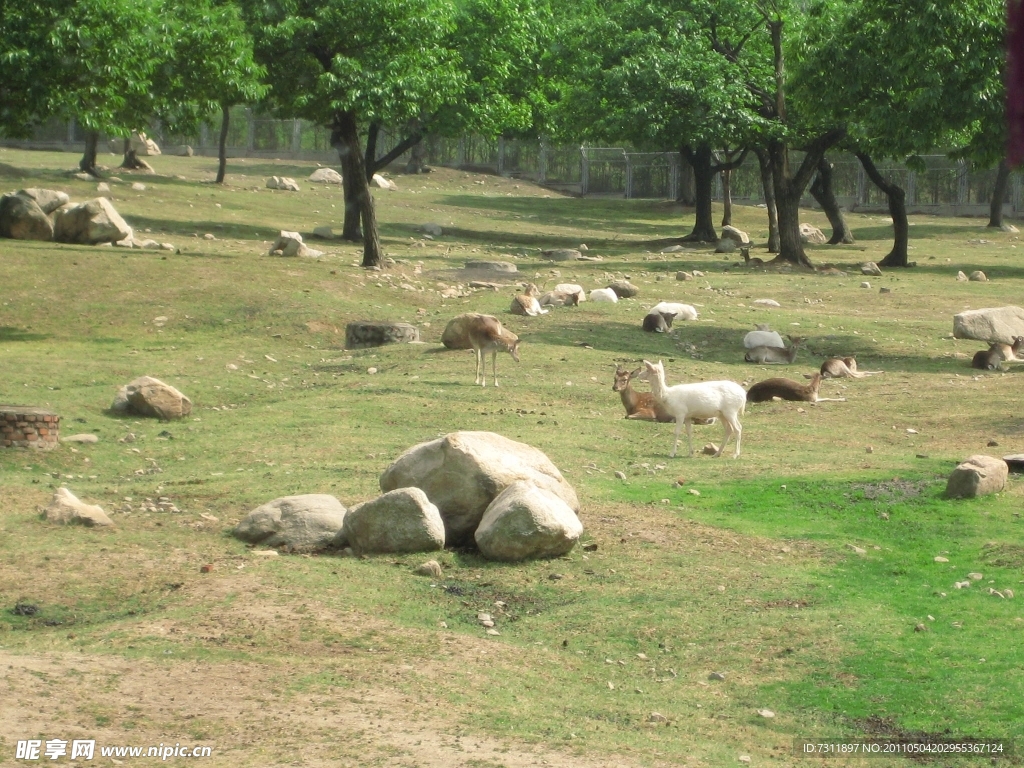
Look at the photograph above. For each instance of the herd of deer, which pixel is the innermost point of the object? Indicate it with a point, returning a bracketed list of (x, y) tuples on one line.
[(702, 402)]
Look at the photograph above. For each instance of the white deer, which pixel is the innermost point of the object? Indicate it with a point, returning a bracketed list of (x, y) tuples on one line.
[(724, 399)]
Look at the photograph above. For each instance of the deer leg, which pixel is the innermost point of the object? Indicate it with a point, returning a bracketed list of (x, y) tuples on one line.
[(689, 434), (675, 444), (494, 365), (479, 364)]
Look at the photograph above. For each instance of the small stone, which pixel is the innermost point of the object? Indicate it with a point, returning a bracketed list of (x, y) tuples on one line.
[(85, 438), (206, 568), (941, 559), (265, 552), (767, 303), (492, 631), (716, 676), (912, 431), (656, 717), (920, 628), (694, 492), (590, 547), (961, 277), (865, 284), (869, 449), (683, 275), (209, 236), (620, 475), (672, 249), (857, 550), (744, 758), (430, 568), (710, 449), (978, 277), (992, 444), (371, 370), (976, 576), (1008, 593), (611, 686), (138, 186), (767, 713), (885, 290), (483, 617), (555, 576), (642, 656)]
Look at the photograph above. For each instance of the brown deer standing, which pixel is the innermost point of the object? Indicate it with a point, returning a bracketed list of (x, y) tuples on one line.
[(486, 335)]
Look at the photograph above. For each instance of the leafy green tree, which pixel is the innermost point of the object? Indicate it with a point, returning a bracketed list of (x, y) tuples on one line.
[(347, 64), (906, 76), (25, 29), (212, 68)]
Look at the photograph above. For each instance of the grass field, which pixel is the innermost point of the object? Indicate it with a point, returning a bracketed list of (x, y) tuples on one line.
[(799, 571)]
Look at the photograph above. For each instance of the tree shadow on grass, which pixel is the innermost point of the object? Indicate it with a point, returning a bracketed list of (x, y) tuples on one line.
[(10, 333), (240, 231)]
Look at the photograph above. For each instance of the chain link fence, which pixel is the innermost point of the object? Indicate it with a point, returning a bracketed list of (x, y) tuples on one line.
[(945, 186)]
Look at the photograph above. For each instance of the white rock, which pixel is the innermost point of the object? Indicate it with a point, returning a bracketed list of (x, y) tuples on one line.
[(811, 234), (326, 176), (738, 236), (92, 222), (138, 186), (870, 268), (67, 509), (865, 284), (680, 311), (283, 183), (381, 182), (763, 339), (304, 523), (993, 324), (434, 230), (604, 295), (571, 288), (289, 244), (767, 303), (84, 438), (147, 396)]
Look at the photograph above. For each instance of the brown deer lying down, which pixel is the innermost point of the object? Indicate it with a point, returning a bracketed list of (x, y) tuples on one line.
[(787, 389), (526, 303), (641, 405), (486, 335), (988, 359), (774, 355), (560, 299), (658, 322), (843, 368)]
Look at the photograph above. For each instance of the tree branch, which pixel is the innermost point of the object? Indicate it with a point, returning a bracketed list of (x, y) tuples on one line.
[(407, 143), (814, 151)]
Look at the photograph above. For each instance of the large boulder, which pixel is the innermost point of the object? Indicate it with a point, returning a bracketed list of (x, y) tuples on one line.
[(282, 182), (456, 333), (561, 254), (738, 236), (997, 324), (304, 523), (463, 472), (811, 234), (326, 176), (376, 334), (290, 244), (21, 218), (978, 475), (147, 396), (501, 267), (402, 520), (89, 223), (65, 508), (624, 289), (525, 522), (143, 146), (47, 199)]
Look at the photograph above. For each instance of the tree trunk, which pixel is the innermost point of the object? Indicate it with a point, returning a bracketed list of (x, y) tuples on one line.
[(703, 177), (351, 230), (769, 200), (88, 161), (897, 197), (823, 191), (727, 198), (417, 159), (995, 211), (686, 194), (222, 143), (345, 138), (787, 202), (370, 158)]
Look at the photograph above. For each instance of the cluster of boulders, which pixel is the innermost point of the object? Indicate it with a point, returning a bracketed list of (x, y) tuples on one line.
[(466, 488), (290, 244), (46, 214), (283, 183)]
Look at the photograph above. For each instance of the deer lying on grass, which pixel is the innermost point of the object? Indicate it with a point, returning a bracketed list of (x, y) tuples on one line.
[(486, 335), (658, 322), (641, 405), (560, 299), (843, 368), (526, 303), (687, 402), (763, 337), (787, 389), (1009, 351), (774, 355), (988, 359)]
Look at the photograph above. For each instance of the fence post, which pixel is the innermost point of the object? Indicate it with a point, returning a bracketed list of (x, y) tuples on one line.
[(584, 171), (629, 175), (1015, 193), (911, 188), (204, 134), (501, 155), (296, 137), (861, 185), (542, 160), (250, 131), (71, 131), (460, 152), (673, 175)]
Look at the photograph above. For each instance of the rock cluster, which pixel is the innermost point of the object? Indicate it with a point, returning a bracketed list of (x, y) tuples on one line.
[(290, 244), (283, 183), (45, 214)]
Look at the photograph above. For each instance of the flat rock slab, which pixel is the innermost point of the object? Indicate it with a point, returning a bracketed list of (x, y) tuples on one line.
[(503, 267), (994, 324), (1015, 462), (376, 334), (562, 254)]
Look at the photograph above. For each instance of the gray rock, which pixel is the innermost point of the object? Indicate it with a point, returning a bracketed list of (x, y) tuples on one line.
[(738, 236), (103, 189), (673, 249), (283, 183), (326, 176), (138, 186), (324, 232), (21, 218), (456, 333), (683, 275), (978, 475), (1015, 462), (304, 523), (89, 223), (996, 324), (501, 267), (289, 244), (811, 234), (376, 334), (65, 508), (430, 568), (463, 472), (147, 396), (434, 230), (402, 520), (561, 254), (870, 268), (47, 199), (624, 289), (961, 277), (525, 522), (977, 276), (84, 438), (726, 245), (766, 303)]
